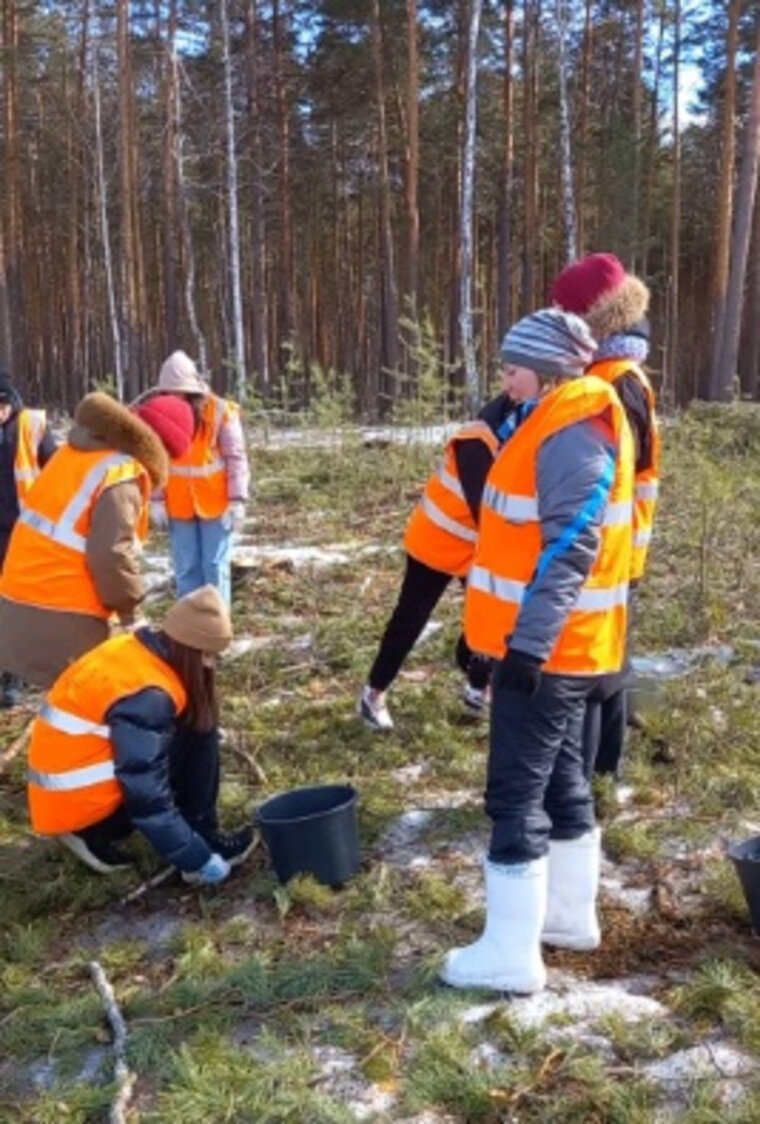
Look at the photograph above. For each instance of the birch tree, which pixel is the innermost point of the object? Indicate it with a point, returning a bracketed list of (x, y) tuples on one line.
[(232, 209), (568, 195), (472, 382)]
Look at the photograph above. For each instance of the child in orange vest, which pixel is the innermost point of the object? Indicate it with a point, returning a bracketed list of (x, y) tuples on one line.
[(546, 597), (204, 500), (127, 739), (26, 444), (614, 304), (439, 542)]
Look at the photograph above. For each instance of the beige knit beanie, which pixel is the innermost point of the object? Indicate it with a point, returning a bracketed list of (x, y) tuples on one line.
[(200, 620)]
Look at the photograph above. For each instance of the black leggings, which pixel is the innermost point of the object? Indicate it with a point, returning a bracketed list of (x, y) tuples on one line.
[(421, 590)]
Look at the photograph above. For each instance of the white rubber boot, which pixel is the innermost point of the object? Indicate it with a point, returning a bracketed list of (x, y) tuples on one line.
[(507, 957), (571, 920)]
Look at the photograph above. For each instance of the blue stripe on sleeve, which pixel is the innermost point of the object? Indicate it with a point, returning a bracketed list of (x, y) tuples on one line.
[(591, 508)]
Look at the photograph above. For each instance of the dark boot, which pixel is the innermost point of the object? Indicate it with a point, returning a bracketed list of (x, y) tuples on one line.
[(12, 693)]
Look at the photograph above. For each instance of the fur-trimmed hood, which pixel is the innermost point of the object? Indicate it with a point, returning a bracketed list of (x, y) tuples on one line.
[(619, 310), (101, 422)]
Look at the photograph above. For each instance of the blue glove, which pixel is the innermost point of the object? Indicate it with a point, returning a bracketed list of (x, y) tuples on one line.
[(214, 870)]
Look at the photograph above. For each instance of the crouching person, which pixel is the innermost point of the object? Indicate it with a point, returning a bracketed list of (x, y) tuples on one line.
[(546, 596), (128, 739)]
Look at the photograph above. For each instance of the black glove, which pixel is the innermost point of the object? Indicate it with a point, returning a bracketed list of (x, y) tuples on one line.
[(518, 671)]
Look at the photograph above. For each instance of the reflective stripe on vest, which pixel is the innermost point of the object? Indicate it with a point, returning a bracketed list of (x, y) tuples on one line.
[(196, 469), (73, 778), (435, 515), (31, 430), (69, 723), (450, 482), (642, 537), (524, 509), (62, 530), (647, 491), (506, 589)]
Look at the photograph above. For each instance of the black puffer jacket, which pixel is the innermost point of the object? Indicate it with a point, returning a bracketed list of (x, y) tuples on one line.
[(142, 727), (8, 443)]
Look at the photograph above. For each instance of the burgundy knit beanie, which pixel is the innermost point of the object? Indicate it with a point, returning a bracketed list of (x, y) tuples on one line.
[(598, 288), (581, 284), (171, 418)]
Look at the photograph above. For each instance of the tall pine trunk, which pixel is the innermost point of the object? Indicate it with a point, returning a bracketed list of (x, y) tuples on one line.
[(746, 187)]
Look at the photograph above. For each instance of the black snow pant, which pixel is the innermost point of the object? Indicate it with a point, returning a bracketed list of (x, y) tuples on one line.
[(194, 781), (536, 787), (421, 590), (606, 717)]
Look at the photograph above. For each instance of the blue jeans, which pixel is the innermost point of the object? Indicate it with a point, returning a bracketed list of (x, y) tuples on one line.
[(201, 553)]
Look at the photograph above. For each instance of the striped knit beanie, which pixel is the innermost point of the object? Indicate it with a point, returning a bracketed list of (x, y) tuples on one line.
[(550, 342)]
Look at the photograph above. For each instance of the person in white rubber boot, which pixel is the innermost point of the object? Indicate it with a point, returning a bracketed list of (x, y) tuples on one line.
[(546, 597)]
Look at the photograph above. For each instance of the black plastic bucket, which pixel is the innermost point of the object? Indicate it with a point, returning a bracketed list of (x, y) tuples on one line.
[(312, 830), (746, 859)]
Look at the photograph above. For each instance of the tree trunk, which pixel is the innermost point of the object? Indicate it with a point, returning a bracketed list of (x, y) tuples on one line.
[(752, 313), (568, 197), (504, 252), (412, 162), (638, 63), (285, 313), (472, 382), (259, 337), (113, 313), (725, 198), (171, 224), (669, 380), (128, 190), (188, 252), (588, 34), (238, 331), (725, 369), (531, 13), (389, 302)]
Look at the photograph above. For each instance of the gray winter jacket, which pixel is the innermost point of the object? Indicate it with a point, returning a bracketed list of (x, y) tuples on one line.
[(575, 468)]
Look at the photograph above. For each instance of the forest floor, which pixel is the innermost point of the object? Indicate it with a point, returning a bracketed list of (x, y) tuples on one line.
[(263, 1004)]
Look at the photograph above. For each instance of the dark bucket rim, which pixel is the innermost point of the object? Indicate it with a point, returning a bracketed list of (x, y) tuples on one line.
[(735, 850), (351, 798)]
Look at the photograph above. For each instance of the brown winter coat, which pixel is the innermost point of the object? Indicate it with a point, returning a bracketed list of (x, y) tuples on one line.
[(38, 643)]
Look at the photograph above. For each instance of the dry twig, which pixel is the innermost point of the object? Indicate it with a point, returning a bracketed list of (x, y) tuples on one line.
[(17, 746), (125, 1081), (149, 884)]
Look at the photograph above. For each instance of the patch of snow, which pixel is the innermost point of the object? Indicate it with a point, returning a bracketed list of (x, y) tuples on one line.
[(312, 438), (248, 557), (710, 1061), (157, 930), (397, 844), (584, 1001), (430, 629), (486, 1056), (341, 1079), (675, 662), (408, 773), (245, 644)]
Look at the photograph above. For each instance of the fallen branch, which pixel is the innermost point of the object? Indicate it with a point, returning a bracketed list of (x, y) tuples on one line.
[(149, 884), (250, 761), (125, 1081), (16, 746)]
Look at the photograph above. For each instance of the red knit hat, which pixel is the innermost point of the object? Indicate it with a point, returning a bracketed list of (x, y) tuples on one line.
[(598, 288), (171, 418)]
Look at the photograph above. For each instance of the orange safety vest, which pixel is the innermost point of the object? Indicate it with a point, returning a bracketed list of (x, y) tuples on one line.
[(197, 486), (592, 639), (26, 468), (648, 481), (441, 532), (71, 777), (46, 563)]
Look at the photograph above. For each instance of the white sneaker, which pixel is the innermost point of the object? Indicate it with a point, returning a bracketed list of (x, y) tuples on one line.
[(474, 700), (373, 711)]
